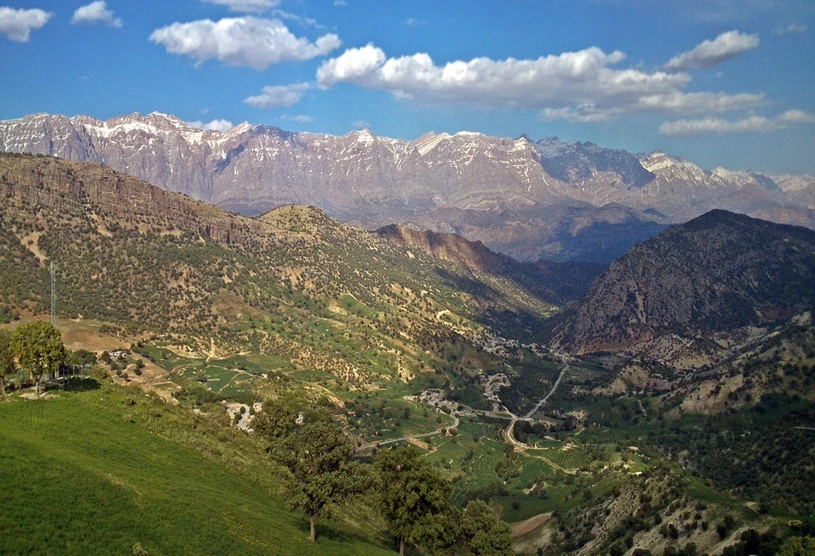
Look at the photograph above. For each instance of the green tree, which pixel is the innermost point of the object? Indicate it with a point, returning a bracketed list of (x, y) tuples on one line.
[(798, 546), (39, 349), (483, 532), (7, 367), (274, 422), (414, 497), (318, 455)]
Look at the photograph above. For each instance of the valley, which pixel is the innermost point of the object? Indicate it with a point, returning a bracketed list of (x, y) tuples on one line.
[(661, 404)]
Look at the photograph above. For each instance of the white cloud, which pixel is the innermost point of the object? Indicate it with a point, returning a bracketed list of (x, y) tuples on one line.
[(791, 117), (243, 41), (340, 3), (18, 24), (300, 118), (711, 53), (247, 6), (96, 12), (299, 19), (279, 95), (413, 21), (361, 124), (582, 86), (214, 125), (790, 29), (718, 126), (699, 103)]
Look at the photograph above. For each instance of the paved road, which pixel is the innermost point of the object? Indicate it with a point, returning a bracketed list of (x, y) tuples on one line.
[(552, 391), (509, 432)]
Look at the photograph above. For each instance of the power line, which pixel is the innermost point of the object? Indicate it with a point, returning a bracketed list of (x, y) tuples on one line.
[(53, 296)]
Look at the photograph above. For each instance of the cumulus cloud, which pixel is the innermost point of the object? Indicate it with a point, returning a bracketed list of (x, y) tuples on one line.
[(243, 41), (214, 125), (711, 53), (96, 12), (279, 96), (246, 6), (790, 29), (718, 126), (18, 24), (582, 86)]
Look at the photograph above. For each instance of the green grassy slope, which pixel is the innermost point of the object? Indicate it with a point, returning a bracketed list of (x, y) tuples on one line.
[(86, 473)]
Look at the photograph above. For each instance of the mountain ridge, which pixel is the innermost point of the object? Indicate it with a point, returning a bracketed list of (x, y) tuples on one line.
[(373, 181)]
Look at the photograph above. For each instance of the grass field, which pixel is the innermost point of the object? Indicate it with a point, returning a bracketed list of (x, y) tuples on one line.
[(100, 471)]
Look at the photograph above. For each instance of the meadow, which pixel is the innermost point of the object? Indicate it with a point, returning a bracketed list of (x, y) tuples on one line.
[(108, 470)]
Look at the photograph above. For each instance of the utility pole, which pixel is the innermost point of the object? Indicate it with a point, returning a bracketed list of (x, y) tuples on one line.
[(53, 296)]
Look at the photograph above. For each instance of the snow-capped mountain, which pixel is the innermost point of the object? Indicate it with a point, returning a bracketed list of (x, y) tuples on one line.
[(467, 182)]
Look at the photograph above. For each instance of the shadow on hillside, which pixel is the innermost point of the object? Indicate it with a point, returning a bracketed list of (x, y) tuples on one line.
[(331, 531), (80, 384), (465, 284)]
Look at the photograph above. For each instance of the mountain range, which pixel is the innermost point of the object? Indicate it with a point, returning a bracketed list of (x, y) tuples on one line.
[(547, 199)]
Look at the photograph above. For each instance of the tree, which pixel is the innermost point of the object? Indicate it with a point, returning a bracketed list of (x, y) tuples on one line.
[(275, 421), (319, 456), (484, 533), (7, 367), (798, 546), (414, 497), (39, 349)]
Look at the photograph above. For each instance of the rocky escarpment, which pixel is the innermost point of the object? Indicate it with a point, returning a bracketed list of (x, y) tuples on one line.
[(718, 272), (58, 185)]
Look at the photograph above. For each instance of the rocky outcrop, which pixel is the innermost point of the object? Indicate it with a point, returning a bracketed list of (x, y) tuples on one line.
[(93, 188)]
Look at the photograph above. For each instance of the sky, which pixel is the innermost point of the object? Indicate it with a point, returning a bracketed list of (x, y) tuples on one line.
[(726, 83)]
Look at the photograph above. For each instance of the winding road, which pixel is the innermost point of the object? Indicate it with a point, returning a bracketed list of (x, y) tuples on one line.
[(412, 436), (508, 433)]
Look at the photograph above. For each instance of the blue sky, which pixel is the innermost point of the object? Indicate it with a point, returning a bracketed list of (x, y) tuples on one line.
[(720, 82)]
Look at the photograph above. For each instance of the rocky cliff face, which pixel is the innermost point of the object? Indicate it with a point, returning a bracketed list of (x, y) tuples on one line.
[(496, 190), (718, 272), (57, 185)]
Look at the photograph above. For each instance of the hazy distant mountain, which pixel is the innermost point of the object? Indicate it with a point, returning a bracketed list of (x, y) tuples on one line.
[(718, 272), (547, 199)]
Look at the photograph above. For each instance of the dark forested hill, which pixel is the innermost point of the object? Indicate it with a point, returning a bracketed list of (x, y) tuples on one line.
[(718, 272)]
